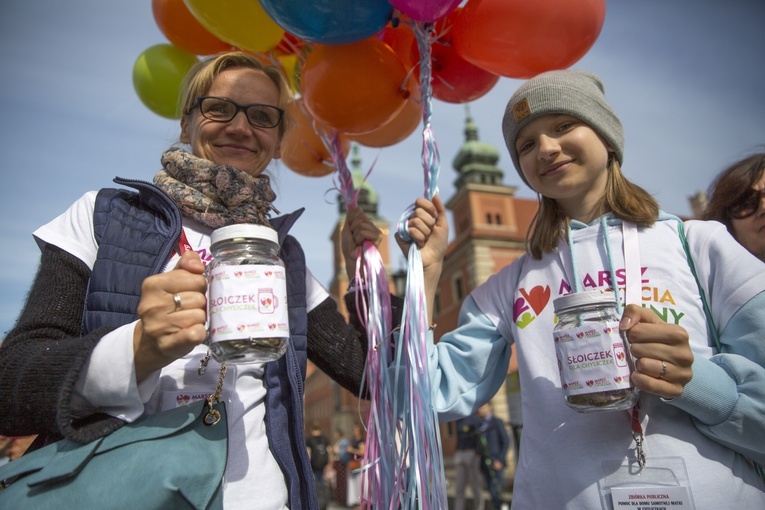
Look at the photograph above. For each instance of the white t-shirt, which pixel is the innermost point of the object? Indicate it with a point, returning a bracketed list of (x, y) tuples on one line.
[(253, 479)]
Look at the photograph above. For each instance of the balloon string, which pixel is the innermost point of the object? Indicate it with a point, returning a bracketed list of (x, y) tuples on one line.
[(430, 158), (420, 481), (380, 462)]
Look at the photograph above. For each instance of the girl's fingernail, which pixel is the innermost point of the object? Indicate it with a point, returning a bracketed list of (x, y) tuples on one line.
[(625, 323)]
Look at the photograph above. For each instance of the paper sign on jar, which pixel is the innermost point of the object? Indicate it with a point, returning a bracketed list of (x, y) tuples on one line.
[(592, 359), (248, 303)]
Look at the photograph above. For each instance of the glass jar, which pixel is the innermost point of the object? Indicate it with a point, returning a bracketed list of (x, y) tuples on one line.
[(594, 357), (247, 318)]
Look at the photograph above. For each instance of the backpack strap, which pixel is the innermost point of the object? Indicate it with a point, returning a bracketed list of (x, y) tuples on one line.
[(707, 312)]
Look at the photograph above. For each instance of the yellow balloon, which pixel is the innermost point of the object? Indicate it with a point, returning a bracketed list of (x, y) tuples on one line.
[(241, 23), (289, 64)]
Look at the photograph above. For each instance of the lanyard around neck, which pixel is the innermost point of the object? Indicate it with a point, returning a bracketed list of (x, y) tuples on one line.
[(631, 253), (183, 244)]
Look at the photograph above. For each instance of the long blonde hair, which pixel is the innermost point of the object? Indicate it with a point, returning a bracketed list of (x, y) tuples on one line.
[(627, 201)]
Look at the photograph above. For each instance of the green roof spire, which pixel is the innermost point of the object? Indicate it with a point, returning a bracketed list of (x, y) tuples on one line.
[(476, 161)]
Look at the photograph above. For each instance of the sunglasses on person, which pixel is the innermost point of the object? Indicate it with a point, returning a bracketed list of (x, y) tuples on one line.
[(220, 109), (747, 205)]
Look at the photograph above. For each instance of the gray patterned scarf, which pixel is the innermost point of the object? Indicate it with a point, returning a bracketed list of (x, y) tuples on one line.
[(214, 195)]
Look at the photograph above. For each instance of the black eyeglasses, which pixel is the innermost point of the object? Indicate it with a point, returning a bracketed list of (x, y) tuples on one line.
[(748, 204), (220, 109)]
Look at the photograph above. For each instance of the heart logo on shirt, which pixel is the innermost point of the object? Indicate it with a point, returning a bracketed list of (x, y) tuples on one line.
[(537, 298)]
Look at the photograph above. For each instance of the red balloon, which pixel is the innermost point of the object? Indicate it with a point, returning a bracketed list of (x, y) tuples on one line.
[(454, 79), (395, 130), (182, 29), (354, 88), (302, 149), (522, 38), (289, 45)]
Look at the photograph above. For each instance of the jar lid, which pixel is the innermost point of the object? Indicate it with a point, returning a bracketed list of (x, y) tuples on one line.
[(580, 299), (244, 231)]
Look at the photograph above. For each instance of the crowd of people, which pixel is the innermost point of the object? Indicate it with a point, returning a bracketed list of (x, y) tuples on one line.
[(336, 465), (116, 315)]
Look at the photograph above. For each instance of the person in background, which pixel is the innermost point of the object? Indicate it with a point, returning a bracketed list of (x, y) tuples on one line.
[(737, 200), (318, 452), (493, 443), (340, 458), (699, 422), (356, 449), (114, 324), (466, 463)]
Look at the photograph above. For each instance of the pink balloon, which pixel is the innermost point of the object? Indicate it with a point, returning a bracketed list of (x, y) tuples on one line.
[(425, 10)]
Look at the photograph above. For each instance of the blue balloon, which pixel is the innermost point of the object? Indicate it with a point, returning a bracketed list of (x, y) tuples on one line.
[(330, 21)]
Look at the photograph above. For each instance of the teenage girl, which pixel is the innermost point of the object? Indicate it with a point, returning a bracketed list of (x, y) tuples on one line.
[(701, 411)]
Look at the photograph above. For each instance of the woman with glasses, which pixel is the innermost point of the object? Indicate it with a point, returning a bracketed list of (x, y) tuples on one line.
[(737, 199), (114, 324)]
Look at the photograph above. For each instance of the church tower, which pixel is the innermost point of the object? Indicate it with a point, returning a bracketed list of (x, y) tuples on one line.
[(489, 224)]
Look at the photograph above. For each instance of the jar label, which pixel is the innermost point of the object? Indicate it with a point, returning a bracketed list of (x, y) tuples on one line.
[(247, 301), (592, 359)]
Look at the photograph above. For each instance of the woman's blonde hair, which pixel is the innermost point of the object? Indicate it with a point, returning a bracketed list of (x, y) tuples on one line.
[(201, 76), (627, 201)]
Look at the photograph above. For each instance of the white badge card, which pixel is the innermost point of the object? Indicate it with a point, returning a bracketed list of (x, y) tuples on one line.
[(650, 498), (661, 485)]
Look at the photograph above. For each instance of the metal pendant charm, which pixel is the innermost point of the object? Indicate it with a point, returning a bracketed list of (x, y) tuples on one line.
[(212, 417)]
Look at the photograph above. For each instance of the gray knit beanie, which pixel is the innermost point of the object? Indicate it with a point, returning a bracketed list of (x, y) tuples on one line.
[(569, 92)]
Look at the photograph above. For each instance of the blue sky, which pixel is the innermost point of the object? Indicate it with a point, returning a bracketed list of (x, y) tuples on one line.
[(685, 76)]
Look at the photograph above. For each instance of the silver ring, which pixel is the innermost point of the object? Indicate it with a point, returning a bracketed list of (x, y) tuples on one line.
[(663, 370), (177, 301)]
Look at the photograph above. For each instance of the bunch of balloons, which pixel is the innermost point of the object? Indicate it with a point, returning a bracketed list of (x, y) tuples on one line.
[(354, 66)]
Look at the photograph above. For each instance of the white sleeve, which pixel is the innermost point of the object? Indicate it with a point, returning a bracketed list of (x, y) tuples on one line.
[(72, 231), (107, 382), (315, 293)]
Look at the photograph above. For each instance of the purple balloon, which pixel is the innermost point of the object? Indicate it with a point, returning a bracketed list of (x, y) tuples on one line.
[(425, 10)]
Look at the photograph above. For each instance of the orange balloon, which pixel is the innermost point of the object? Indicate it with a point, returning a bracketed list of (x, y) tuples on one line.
[(520, 39), (182, 29), (302, 149), (354, 88), (395, 130), (400, 39)]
